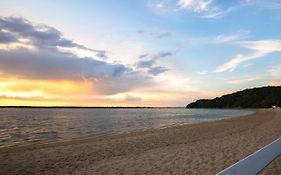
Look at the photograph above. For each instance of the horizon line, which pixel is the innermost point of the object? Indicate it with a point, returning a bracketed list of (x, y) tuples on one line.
[(90, 107)]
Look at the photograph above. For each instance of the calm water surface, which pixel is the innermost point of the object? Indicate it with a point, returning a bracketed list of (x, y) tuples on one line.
[(20, 126)]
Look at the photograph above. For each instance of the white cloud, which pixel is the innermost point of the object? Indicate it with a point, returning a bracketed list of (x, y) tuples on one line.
[(213, 15), (206, 8), (232, 37), (204, 72), (241, 80), (260, 49), (238, 59), (211, 9), (195, 5), (263, 45)]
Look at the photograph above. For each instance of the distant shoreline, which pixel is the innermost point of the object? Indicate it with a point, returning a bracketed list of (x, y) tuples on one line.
[(261, 97), (117, 107)]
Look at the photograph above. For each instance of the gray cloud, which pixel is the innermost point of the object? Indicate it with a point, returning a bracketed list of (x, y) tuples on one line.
[(101, 54), (159, 34), (162, 35), (163, 54), (151, 64), (143, 55), (145, 63), (132, 99), (159, 55), (156, 34), (157, 70), (140, 32), (107, 78), (6, 37), (52, 64), (42, 36)]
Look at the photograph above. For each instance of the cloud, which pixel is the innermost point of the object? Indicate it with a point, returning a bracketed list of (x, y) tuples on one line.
[(101, 54), (163, 54), (151, 65), (211, 9), (41, 36), (49, 63), (263, 45), (214, 14), (145, 63), (259, 49), (238, 59), (233, 37), (140, 32), (195, 5), (107, 78), (143, 55), (155, 33), (6, 37), (241, 80), (206, 8), (218, 12), (131, 99), (26, 98), (157, 70), (162, 35), (204, 72)]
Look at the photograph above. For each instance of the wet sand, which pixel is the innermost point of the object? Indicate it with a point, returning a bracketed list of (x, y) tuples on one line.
[(204, 148)]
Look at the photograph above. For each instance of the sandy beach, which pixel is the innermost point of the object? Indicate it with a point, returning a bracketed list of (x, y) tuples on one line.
[(204, 148)]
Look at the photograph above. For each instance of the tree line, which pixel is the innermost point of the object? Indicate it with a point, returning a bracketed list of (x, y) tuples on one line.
[(262, 97)]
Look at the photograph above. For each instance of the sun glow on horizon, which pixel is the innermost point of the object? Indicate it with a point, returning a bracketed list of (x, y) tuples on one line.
[(142, 53)]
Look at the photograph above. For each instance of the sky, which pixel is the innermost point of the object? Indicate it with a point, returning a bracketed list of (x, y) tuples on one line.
[(135, 52)]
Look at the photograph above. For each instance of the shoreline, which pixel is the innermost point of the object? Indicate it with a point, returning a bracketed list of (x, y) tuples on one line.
[(203, 148), (99, 137), (125, 134)]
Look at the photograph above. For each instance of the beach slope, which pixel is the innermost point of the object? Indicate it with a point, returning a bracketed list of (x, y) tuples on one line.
[(204, 148)]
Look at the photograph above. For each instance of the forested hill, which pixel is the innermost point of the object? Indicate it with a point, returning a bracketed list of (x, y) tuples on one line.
[(263, 97)]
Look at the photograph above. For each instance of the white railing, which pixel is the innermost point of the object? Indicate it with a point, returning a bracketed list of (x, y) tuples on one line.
[(255, 162)]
